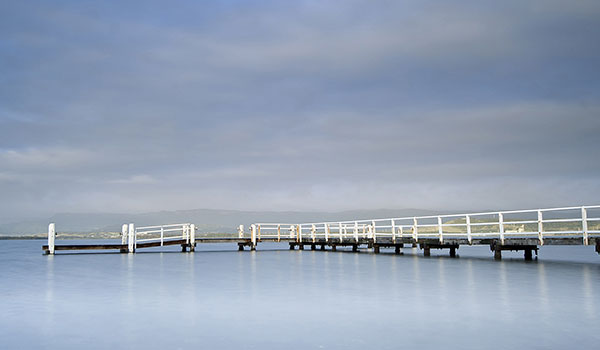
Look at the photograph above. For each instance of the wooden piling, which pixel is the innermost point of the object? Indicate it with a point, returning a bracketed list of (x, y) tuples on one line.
[(51, 237), (131, 238), (453, 252), (427, 251)]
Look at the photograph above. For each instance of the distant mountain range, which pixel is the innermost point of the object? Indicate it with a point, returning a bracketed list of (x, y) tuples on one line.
[(207, 220)]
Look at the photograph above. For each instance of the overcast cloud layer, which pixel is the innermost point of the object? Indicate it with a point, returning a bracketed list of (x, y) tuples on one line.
[(305, 105)]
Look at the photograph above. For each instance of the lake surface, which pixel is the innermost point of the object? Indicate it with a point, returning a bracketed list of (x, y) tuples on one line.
[(275, 298)]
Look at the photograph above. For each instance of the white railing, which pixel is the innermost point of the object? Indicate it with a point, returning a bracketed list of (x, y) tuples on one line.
[(568, 222), (162, 233)]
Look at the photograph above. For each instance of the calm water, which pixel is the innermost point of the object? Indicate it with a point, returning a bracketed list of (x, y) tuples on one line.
[(275, 298)]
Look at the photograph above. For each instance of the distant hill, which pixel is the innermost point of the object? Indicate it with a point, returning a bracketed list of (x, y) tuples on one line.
[(207, 220)]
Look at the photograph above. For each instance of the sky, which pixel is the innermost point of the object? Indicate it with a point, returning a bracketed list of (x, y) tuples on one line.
[(110, 106)]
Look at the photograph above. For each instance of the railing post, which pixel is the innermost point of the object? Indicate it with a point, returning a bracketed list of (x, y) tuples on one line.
[(259, 232), (393, 231), (292, 230), (468, 217), (326, 232), (162, 235), (401, 231), (540, 227), (51, 237), (124, 229), (415, 230), (340, 231), (278, 233), (356, 231), (192, 237), (241, 231), (584, 225), (440, 229), (374, 231), (253, 236), (131, 238), (313, 231), (501, 227), (299, 231)]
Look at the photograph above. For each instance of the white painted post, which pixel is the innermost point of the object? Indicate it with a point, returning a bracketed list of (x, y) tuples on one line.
[(278, 233), (501, 227), (253, 234), (124, 229), (356, 231), (340, 230), (401, 232), (51, 237), (540, 227), (374, 231), (192, 236), (326, 232), (258, 232), (292, 229), (440, 229), (131, 238), (469, 229), (584, 225), (299, 229), (415, 231), (241, 231), (313, 231), (162, 235), (393, 231), (345, 231)]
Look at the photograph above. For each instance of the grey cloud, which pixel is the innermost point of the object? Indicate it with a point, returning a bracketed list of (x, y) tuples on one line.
[(308, 106)]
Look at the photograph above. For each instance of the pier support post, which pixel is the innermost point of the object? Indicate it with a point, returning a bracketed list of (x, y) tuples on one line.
[(376, 248), (51, 238), (124, 230), (131, 238), (355, 247), (322, 246), (528, 254), (333, 247), (253, 237), (426, 251), (453, 252), (241, 247), (397, 249), (301, 246), (313, 247), (292, 246), (498, 254), (192, 238)]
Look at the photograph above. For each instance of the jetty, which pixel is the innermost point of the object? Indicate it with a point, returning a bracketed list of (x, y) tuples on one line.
[(515, 230)]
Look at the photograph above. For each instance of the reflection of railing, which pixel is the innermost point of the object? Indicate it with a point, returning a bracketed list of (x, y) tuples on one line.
[(568, 222)]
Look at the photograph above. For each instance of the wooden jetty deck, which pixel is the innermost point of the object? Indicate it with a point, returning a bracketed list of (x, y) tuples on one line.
[(517, 230)]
